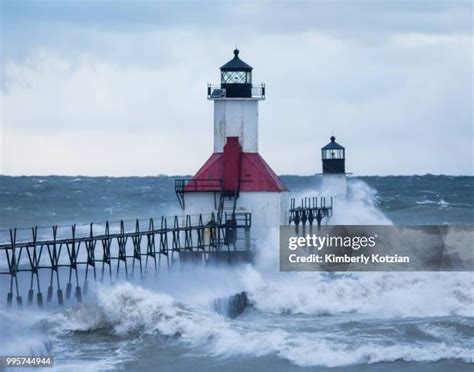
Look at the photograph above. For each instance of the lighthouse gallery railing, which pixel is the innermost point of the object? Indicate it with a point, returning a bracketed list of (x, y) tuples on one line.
[(215, 91)]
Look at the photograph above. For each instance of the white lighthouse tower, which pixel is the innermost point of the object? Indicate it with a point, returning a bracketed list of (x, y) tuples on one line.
[(236, 178)]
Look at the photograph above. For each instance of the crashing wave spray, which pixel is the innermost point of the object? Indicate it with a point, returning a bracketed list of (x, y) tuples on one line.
[(310, 319)]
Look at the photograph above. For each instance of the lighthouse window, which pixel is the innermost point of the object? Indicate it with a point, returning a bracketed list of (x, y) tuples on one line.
[(236, 77), (333, 154)]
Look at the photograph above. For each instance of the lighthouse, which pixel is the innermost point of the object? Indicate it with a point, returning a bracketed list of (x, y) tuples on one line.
[(333, 156), (236, 179)]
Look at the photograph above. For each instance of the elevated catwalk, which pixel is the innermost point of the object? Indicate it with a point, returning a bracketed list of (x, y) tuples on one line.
[(118, 252)]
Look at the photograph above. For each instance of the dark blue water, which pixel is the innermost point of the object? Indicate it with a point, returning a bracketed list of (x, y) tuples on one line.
[(295, 321), (29, 201)]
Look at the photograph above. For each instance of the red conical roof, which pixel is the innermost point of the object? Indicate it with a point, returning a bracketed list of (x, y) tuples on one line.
[(255, 173)]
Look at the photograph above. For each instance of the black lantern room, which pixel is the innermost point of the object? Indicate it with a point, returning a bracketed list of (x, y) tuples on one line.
[(333, 157), (236, 78)]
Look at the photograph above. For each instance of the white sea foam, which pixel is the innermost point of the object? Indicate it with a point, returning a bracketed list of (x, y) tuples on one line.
[(19, 334), (375, 294), (359, 207), (127, 309), (176, 308), (334, 354), (442, 203)]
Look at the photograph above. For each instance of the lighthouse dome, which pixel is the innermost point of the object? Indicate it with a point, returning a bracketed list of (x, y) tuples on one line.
[(333, 145), (236, 64)]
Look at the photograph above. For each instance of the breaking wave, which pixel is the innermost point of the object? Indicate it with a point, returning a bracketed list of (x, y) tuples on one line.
[(360, 207), (309, 319), (127, 309), (377, 294)]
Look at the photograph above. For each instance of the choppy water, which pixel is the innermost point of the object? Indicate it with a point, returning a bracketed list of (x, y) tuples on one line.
[(359, 322)]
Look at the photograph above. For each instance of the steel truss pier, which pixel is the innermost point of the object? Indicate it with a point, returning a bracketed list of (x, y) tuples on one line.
[(311, 209), (79, 254)]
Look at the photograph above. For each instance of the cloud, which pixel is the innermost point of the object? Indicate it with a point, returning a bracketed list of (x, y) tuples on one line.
[(90, 93), (397, 99), (264, 16), (99, 153), (417, 40)]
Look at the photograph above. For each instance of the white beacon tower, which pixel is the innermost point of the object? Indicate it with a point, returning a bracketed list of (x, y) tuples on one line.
[(236, 178)]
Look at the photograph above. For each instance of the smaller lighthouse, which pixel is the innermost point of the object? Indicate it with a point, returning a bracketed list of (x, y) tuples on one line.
[(333, 156)]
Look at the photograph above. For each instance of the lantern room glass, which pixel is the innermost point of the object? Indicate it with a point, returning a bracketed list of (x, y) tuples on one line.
[(333, 154), (236, 77)]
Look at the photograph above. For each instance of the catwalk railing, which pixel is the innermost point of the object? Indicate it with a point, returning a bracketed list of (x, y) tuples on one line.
[(310, 210), (196, 185), (97, 252)]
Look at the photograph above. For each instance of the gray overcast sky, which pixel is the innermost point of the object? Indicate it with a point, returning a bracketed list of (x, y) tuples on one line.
[(119, 87)]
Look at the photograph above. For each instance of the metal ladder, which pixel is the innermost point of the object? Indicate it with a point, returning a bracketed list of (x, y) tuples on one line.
[(227, 205)]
